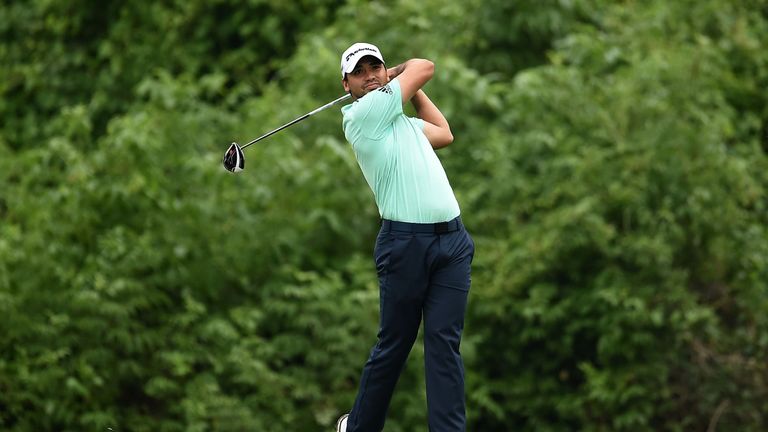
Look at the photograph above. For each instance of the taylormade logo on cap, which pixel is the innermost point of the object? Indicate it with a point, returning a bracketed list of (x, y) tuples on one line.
[(353, 54)]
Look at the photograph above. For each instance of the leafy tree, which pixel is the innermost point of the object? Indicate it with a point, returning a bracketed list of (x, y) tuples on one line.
[(610, 161)]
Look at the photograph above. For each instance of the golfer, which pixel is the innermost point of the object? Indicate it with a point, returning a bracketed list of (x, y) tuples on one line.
[(423, 253)]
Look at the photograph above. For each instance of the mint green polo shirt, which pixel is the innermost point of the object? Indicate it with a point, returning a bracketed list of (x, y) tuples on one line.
[(401, 167)]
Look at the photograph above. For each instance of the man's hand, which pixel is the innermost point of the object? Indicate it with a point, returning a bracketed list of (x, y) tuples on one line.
[(394, 72)]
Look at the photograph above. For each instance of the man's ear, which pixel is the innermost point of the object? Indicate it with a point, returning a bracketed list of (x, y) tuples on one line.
[(345, 84)]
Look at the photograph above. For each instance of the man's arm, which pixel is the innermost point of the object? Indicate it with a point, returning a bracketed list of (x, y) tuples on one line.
[(412, 75), (436, 127)]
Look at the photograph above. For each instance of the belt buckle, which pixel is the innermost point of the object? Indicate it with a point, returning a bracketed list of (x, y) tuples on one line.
[(442, 227)]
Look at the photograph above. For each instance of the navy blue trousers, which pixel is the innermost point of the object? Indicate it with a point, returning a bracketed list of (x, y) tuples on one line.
[(424, 271)]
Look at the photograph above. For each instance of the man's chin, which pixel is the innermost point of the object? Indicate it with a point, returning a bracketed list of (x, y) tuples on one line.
[(364, 92)]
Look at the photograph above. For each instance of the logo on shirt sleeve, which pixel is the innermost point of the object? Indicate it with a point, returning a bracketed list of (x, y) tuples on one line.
[(386, 89)]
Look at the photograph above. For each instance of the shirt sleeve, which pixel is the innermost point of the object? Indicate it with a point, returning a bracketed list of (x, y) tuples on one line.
[(377, 110)]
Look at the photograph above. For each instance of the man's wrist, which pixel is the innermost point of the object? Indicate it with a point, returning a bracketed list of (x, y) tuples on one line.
[(397, 70)]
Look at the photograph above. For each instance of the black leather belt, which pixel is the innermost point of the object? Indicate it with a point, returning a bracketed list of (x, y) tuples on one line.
[(433, 228)]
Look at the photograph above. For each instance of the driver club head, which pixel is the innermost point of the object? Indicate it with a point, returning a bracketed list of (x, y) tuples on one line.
[(234, 160)]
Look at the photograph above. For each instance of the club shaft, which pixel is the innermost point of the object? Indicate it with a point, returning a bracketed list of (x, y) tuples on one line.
[(293, 122)]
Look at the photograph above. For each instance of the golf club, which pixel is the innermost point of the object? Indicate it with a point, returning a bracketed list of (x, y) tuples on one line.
[(234, 159)]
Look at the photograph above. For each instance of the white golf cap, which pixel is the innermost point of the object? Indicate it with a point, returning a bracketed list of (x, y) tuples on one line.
[(354, 53)]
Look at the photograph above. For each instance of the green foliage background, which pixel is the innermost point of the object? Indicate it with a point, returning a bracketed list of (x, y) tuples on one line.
[(610, 161)]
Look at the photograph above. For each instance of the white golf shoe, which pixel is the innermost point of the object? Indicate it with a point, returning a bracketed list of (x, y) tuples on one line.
[(341, 423)]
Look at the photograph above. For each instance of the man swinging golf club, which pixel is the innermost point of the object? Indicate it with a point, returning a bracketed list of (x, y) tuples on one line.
[(423, 253)]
